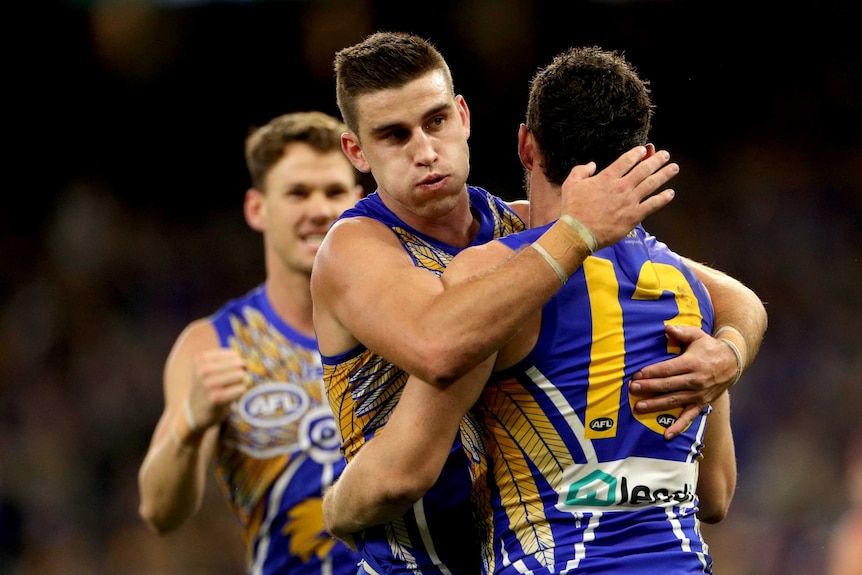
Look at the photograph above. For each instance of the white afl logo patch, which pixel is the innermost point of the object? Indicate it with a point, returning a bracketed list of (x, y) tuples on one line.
[(273, 404), (319, 437)]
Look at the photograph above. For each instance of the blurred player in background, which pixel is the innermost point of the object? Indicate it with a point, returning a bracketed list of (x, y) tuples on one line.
[(243, 387), (844, 550)]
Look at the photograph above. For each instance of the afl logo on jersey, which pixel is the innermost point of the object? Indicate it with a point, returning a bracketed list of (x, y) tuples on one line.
[(602, 424), (273, 404), (665, 420), (319, 437)]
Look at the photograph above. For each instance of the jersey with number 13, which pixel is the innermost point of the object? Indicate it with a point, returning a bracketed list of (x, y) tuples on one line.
[(580, 482)]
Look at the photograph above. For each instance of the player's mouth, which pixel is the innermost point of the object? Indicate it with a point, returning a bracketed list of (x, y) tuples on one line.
[(313, 240), (433, 181)]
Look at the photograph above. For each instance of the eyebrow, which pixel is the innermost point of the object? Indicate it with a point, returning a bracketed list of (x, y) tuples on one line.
[(395, 125)]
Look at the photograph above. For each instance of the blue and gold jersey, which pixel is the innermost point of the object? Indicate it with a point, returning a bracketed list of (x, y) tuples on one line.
[(440, 534), (278, 449), (581, 483)]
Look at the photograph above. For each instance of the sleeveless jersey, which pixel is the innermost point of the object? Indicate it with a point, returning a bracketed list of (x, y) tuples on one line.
[(439, 535), (580, 483), (278, 449)]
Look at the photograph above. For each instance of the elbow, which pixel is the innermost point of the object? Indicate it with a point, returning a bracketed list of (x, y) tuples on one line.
[(401, 493), (388, 501), (337, 529), (157, 523), (403, 486), (714, 509), (411, 489), (712, 515), (443, 363), (152, 521)]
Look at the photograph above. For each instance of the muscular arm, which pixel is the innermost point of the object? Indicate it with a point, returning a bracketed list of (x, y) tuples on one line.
[(395, 469), (172, 477), (708, 367), (366, 289), (735, 305), (404, 459), (716, 481)]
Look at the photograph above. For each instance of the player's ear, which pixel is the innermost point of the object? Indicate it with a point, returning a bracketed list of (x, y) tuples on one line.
[(650, 150), (464, 114), (353, 150), (254, 208), (526, 146)]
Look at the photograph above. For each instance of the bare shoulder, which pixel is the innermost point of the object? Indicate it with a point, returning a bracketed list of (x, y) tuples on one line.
[(522, 208), (198, 336), (359, 259), (351, 242)]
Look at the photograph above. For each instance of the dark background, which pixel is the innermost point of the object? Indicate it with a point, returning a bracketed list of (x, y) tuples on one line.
[(122, 222)]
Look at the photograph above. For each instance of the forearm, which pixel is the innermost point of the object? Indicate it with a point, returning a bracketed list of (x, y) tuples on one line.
[(388, 475), (717, 478), (735, 306), (473, 319), (395, 468), (369, 492), (171, 479)]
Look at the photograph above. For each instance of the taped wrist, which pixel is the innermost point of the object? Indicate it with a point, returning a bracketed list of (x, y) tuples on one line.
[(583, 232), (563, 248), (738, 347)]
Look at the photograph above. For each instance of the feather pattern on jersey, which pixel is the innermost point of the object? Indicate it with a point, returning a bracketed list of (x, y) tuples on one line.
[(374, 385), (473, 442), (505, 221), (425, 255), (337, 381), (399, 542), (524, 436), (270, 358)]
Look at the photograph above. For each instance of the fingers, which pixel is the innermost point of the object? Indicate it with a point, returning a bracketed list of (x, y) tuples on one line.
[(665, 402), (649, 180), (656, 202), (624, 164), (669, 375), (221, 366), (682, 336), (644, 175), (582, 171), (222, 374), (647, 176), (652, 173), (685, 419), (611, 203), (685, 334)]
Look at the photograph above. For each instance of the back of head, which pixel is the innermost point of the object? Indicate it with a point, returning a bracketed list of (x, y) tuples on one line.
[(264, 147), (588, 104), (382, 61)]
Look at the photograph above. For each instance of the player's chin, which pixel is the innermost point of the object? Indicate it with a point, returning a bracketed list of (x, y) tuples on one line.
[(309, 250), (303, 262)]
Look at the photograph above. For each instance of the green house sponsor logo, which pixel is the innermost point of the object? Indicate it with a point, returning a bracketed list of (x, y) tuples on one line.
[(600, 489)]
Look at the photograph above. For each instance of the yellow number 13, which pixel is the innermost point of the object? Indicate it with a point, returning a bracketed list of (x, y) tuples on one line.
[(607, 354)]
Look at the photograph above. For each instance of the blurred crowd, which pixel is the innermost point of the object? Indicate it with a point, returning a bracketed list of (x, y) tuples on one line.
[(92, 298)]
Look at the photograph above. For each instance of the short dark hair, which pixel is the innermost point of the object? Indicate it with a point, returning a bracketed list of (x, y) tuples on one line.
[(265, 145), (588, 104), (382, 61)]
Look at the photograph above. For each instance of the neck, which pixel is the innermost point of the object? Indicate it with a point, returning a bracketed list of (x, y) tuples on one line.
[(451, 222), (290, 296), (544, 200)]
